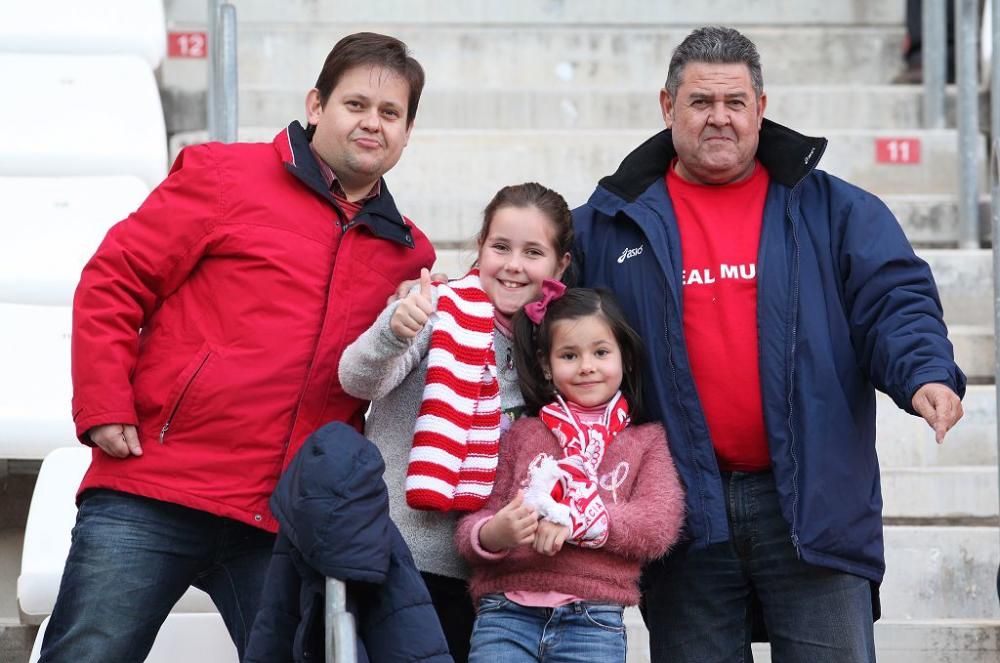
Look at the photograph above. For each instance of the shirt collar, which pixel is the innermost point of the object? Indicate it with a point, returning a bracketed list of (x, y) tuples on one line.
[(335, 187)]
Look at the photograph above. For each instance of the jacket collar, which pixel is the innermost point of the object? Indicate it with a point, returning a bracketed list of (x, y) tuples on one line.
[(379, 214), (787, 155)]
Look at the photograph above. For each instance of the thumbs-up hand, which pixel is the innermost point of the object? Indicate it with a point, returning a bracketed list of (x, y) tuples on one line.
[(413, 311)]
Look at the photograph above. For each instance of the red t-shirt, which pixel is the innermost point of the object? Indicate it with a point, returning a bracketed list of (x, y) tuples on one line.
[(720, 233)]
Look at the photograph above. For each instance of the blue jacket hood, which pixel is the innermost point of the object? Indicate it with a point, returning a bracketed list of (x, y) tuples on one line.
[(333, 505)]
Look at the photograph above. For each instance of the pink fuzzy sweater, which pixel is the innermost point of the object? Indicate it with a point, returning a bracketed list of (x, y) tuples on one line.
[(645, 502)]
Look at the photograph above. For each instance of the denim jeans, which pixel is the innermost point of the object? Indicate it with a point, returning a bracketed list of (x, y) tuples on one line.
[(131, 560), (506, 632), (697, 603)]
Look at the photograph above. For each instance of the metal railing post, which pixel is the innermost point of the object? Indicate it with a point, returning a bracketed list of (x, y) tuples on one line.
[(228, 120), (967, 57), (212, 88), (995, 207), (933, 51), (339, 635), (222, 104)]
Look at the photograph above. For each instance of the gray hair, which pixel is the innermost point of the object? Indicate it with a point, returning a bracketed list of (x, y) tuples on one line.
[(718, 45)]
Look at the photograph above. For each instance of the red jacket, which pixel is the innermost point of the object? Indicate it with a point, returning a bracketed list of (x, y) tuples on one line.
[(231, 270)]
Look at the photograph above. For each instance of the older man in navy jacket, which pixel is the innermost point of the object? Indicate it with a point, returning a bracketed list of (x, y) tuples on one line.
[(774, 299)]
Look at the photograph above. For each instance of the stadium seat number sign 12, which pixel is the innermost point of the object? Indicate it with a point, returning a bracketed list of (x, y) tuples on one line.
[(187, 44)]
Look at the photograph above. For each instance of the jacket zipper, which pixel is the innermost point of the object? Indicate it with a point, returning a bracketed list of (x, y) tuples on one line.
[(680, 401), (180, 397), (791, 378)]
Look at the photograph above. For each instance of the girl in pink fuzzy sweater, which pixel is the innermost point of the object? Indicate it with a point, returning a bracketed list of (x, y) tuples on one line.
[(581, 500)]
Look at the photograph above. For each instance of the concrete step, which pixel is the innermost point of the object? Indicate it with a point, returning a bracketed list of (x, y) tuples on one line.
[(974, 351), (572, 161), (554, 57), (941, 494), (817, 108), (931, 219), (906, 441), (530, 12), (964, 279), (15, 641), (11, 541), (941, 573), (939, 599), (896, 641)]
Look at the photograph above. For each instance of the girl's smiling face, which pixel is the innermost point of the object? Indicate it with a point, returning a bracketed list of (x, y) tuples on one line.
[(585, 360), (517, 254)]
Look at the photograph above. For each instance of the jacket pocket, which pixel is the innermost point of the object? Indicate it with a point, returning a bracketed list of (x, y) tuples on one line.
[(183, 387)]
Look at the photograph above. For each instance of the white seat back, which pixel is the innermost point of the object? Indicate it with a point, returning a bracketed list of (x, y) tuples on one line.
[(126, 27), (80, 115), (52, 226), (47, 533), (51, 517), (35, 394)]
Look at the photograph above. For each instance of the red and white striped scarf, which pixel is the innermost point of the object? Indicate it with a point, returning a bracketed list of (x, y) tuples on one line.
[(455, 441), (565, 491)]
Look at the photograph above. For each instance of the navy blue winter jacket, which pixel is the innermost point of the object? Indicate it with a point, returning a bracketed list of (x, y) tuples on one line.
[(333, 511), (843, 307)]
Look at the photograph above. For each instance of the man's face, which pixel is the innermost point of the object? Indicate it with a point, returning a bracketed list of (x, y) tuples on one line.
[(715, 122), (362, 129)]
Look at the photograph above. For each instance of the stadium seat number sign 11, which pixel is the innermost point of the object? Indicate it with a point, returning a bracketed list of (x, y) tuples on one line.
[(895, 151)]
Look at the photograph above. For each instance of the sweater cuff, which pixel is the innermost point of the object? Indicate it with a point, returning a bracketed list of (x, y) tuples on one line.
[(477, 547)]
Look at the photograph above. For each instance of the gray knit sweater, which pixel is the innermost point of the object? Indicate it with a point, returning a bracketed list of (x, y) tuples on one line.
[(390, 372)]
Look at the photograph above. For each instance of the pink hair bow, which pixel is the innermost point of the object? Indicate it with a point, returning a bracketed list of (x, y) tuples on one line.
[(551, 291)]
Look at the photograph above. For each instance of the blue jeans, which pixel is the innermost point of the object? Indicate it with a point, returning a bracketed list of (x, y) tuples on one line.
[(131, 560), (506, 632), (697, 603)]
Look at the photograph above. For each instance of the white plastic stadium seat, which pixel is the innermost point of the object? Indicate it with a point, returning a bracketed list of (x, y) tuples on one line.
[(50, 228), (124, 27), (184, 638), (69, 115), (35, 393), (47, 538)]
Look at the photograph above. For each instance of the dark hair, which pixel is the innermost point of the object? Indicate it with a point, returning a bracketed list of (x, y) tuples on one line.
[(718, 45), (533, 194), (533, 345), (370, 48)]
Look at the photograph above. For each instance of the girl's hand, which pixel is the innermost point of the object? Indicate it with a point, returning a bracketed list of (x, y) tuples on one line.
[(413, 311), (512, 526), (550, 537)]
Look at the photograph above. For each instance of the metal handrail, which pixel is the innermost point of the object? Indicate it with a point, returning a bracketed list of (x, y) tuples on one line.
[(339, 636), (933, 45), (995, 210), (223, 100), (967, 76)]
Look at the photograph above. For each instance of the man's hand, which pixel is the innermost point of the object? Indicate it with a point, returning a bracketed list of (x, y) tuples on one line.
[(512, 526), (550, 537), (939, 406), (404, 287), (413, 311), (118, 440)]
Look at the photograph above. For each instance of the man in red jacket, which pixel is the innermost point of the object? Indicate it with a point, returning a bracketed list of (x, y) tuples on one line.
[(207, 330)]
